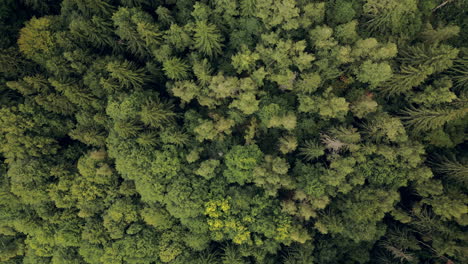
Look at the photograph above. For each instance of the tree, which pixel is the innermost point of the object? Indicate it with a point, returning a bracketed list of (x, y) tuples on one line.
[(240, 162), (37, 41), (136, 28), (423, 119), (175, 69), (374, 73), (395, 16), (96, 32), (127, 74), (207, 38)]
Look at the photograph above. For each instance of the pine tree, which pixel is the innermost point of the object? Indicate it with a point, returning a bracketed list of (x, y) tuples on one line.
[(136, 3), (400, 17), (176, 69), (157, 114), (287, 144), (93, 7), (424, 119), (97, 31), (127, 129), (36, 40), (127, 74), (207, 38), (247, 7), (202, 70), (435, 36), (136, 28), (231, 255), (460, 73), (311, 150), (148, 139), (164, 15), (408, 78), (453, 169), (149, 32), (439, 58), (90, 135)]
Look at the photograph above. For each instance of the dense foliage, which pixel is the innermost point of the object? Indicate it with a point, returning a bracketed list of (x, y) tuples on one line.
[(233, 131)]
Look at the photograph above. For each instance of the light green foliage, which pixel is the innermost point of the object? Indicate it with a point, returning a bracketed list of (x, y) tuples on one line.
[(374, 73), (363, 106), (284, 13), (245, 61), (313, 13), (273, 116), (371, 48), (175, 69), (321, 37), (392, 15), (346, 33), (207, 169), (137, 29), (207, 39), (157, 217), (156, 114), (126, 74), (309, 83), (185, 90), (240, 162), (431, 35), (272, 175), (36, 40), (233, 132), (222, 87), (213, 129), (342, 11), (287, 144), (327, 107), (247, 103), (438, 93), (386, 128)]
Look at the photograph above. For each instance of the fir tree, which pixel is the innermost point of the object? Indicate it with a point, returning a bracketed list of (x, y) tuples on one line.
[(175, 69), (127, 74), (157, 114), (207, 38), (423, 119)]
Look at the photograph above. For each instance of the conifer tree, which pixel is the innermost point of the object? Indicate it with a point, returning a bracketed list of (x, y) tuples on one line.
[(37, 40), (97, 31), (156, 113), (423, 119), (127, 74), (175, 69), (91, 7), (207, 38), (136, 29)]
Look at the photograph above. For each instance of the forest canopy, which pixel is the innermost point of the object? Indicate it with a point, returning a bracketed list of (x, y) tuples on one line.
[(233, 131)]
